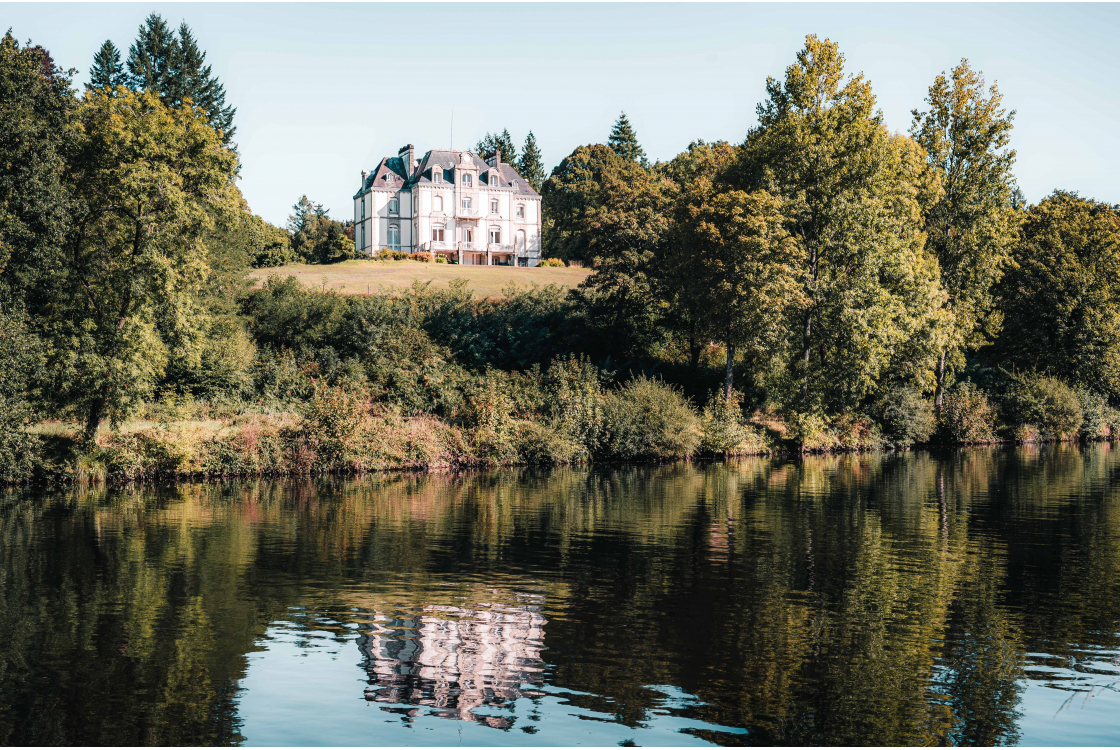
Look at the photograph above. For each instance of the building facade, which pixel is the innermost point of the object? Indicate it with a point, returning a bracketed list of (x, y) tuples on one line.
[(452, 204)]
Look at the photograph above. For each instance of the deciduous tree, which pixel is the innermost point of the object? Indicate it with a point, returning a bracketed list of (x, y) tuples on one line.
[(971, 225), (149, 183)]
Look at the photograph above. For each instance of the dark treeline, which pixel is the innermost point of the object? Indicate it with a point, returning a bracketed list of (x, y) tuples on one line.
[(825, 284)]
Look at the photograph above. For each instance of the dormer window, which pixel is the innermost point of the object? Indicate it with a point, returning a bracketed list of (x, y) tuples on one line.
[(466, 180), (494, 180), (394, 206), (437, 175)]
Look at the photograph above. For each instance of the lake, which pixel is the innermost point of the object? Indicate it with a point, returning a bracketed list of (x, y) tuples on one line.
[(966, 597)]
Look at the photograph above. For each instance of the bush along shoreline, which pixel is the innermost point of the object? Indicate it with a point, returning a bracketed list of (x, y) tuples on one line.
[(565, 416)]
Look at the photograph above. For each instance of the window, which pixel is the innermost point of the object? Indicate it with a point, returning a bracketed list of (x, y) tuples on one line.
[(521, 239), (437, 233), (495, 236), (363, 207), (394, 205), (521, 210), (467, 180), (494, 179), (394, 237), (467, 204), (468, 236), (437, 203), (437, 175), (363, 235), (494, 206)]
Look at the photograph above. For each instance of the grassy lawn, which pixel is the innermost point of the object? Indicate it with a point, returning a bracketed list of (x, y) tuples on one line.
[(360, 276)]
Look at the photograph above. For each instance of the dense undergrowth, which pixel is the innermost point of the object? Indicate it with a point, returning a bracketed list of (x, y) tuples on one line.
[(305, 382)]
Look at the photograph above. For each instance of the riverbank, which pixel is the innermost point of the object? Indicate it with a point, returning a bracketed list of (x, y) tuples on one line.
[(339, 434)]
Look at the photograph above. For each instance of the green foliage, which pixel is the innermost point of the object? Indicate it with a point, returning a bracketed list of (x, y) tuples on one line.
[(967, 417), (624, 142), (172, 68), (905, 415), (551, 263), (1061, 298), (531, 166), (316, 238), (20, 364), (36, 141), (724, 432), (970, 223), (107, 70), (267, 245), (1044, 403), (648, 419), (573, 401), (503, 143), (852, 194), (1099, 420), (149, 183)]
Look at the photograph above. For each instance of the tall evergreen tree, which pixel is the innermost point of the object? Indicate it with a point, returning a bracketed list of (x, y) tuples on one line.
[(624, 141), (150, 56), (503, 143), (971, 226), (530, 165), (190, 79), (107, 70)]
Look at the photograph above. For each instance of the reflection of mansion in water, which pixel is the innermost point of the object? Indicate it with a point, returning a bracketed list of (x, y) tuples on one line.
[(454, 659)]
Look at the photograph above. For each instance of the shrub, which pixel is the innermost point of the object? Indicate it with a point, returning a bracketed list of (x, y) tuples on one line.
[(648, 419), (573, 400), (541, 443), (422, 257), (967, 416), (550, 263), (1046, 403), (440, 259), (332, 427), (488, 416), (20, 452), (904, 415), (809, 431), (723, 431)]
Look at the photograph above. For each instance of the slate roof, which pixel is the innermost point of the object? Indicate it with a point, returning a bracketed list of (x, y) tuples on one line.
[(390, 172)]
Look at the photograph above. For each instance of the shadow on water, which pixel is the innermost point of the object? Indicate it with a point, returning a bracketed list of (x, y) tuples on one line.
[(965, 597)]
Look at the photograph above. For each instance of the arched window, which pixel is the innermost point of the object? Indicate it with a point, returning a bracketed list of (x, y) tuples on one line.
[(520, 239), (494, 179), (437, 203), (363, 236), (394, 237), (363, 199), (394, 206), (437, 175)]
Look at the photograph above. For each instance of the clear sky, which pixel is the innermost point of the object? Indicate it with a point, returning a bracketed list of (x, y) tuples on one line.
[(324, 90)]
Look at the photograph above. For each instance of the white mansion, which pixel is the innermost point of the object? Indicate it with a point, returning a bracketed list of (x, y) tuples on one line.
[(449, 203)]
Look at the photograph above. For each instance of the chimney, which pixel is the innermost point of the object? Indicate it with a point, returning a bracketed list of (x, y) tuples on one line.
[(365, 176), (410, 164)]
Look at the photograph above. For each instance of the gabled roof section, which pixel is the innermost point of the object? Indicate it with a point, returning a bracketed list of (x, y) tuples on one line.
[(389, 175), (390, 172)]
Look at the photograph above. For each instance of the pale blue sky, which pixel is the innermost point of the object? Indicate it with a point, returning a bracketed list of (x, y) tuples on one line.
[(325, 90)]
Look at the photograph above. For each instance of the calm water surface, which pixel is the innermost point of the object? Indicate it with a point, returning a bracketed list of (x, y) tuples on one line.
[(965, 598)]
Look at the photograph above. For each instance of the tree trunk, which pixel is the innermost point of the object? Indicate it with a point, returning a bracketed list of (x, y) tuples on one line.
[(729, 377), (808, 354), (939, 394), (93, 419)]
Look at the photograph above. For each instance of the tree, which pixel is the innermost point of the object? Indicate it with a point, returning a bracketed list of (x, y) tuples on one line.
[(1059, 297), (151, 56), (107, 70), (745, 263), (315, 236), (36, 140), (624, 141), (851, 195), (172, 66), (149, 183), (503, 143), (530, 166), (971, 226)]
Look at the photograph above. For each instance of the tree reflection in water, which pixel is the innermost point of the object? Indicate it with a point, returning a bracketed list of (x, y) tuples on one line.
[(894, 599)]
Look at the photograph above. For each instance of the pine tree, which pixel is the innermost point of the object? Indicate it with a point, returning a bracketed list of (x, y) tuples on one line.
[(150, 56), (107, 70), (530, 165), (503, 143), (189, 79), (624, 141)]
